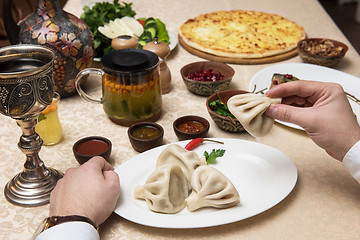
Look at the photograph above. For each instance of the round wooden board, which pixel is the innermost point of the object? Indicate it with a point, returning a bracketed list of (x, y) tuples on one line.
[(271, 59)]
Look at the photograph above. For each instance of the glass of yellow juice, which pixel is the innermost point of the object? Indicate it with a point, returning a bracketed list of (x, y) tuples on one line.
[(49, 127)]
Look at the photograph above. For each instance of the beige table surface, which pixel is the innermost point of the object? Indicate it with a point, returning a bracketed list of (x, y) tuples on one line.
[(325, 203)]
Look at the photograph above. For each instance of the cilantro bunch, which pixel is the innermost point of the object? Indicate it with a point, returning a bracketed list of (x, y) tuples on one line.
[(98, 15)]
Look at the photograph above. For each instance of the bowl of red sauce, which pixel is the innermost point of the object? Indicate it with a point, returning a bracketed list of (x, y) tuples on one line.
[(190, 127), (92, 146), (145, 135)]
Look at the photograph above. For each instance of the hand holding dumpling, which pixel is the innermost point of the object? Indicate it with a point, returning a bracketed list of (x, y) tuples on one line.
[(322, 110), (249, 109)]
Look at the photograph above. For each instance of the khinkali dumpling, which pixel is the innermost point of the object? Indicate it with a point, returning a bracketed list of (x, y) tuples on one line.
[(165, 190), (211, 189), (187, 160), (249, 109)]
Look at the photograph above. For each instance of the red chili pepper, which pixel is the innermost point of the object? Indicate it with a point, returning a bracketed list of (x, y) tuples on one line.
[(197, 141)]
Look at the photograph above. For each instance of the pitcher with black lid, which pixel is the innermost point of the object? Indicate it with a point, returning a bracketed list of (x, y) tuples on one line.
[(131, 89)]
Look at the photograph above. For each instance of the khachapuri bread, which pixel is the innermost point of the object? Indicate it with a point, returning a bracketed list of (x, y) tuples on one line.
[(241, 34)]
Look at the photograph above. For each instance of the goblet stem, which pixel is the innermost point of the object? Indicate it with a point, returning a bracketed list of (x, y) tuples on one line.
[(33, 185)]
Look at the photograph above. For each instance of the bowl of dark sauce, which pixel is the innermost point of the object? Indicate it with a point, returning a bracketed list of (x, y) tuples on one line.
[(145, 135)]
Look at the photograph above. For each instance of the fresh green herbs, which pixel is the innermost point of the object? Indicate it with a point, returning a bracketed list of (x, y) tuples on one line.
[(162, 33), (220, 108), (210, 158), (98, 15)]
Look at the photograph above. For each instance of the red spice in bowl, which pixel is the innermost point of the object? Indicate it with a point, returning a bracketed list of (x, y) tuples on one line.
[(190, 127), (88, 147), (92, 147)]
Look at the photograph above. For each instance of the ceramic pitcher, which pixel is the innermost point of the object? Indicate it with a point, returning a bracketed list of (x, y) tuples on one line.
[(64, 33)]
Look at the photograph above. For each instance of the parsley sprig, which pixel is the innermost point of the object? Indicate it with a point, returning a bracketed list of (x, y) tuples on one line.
[(211, 158)]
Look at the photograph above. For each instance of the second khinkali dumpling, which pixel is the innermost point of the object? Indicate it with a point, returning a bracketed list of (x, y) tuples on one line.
[(165, 189), (187, 160), (249, 109), (211, 188)]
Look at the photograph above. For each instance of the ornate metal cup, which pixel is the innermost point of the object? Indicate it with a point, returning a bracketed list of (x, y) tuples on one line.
[(26, 88)]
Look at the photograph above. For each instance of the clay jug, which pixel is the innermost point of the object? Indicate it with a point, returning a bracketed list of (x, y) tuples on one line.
[(162, 50), (69, 37)]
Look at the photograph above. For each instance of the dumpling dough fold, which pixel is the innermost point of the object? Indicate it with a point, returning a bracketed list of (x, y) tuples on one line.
[(187, 160), (211, 188), (249, 109), (165, 189)]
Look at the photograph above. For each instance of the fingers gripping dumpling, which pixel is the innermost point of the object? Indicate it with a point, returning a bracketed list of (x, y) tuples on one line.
[(249, 109), (211, 189), (165, 190), (187, 160)]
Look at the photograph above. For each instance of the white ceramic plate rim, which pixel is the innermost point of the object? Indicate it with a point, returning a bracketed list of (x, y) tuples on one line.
[(173, 40), (351, 84), (263, 176)]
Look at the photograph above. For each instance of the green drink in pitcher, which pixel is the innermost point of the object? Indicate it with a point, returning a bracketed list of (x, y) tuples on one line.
[(131, 88), (136, 101)]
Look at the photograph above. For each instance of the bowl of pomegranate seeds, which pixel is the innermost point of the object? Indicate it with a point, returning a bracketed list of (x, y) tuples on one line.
[(207, 77)]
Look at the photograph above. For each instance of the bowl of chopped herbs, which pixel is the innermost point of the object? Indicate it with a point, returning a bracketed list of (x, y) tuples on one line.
[(217, 107)]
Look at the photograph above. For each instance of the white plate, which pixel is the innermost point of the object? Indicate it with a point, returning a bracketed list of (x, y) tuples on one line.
[(263, 176), (351, 84), (173, 40)]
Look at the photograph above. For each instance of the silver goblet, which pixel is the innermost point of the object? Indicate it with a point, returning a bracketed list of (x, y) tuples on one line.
[(26, 88)]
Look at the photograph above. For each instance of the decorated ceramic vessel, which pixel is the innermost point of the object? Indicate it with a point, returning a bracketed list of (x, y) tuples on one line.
[(68, 36)]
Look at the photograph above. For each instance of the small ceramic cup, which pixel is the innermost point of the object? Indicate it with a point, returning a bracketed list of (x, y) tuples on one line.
[(145, 135), (190, 127), (92, 146)]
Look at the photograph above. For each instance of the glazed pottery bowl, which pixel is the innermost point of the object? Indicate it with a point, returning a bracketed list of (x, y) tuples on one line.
[(225, 123), (190, 127), (206, 88), (145, 135), (92, 146), (321, 51)]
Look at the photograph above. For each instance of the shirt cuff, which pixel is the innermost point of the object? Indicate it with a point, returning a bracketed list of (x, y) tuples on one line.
[(70, 231), (351, 161)]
